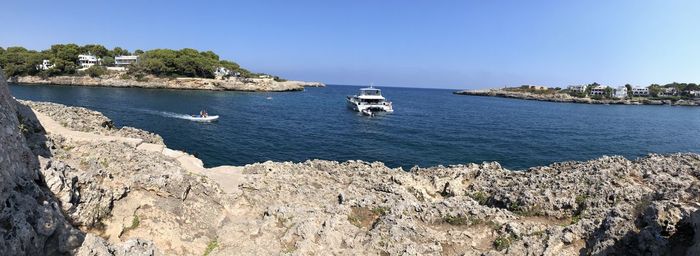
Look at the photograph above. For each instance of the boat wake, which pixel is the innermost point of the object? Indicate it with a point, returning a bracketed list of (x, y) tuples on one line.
[(168, 114)]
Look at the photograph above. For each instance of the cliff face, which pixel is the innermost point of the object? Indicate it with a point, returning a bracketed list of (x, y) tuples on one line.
[(31, 218), (30, 221), (233, 84)]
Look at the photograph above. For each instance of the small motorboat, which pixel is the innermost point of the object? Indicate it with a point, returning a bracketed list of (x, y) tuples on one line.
[(367, 112), (198, 118)]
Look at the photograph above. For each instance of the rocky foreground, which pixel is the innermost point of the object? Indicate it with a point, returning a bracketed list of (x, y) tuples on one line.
[(152, 82), (64, 192), (566, 98)]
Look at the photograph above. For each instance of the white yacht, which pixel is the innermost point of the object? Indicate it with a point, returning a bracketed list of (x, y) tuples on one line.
[(369, 101)]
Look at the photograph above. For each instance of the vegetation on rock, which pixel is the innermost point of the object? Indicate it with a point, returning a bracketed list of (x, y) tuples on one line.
[(19, 61)]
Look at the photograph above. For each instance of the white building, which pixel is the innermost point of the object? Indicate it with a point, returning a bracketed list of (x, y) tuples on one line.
[(620, 92), (640, 91), (46, 64), (694, 93), (222, 71), (87, 60), (598, 90), (577, 88), (668, 91), (126, 60), (538, 87)]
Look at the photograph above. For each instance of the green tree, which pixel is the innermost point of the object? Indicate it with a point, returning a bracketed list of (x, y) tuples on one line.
[(230, 65), (187, 62), (95, 49), (654, 90), (18, 61), (118, 51), (609, 92), (67, 52), (629, 90), (108, 61), (64, 67)]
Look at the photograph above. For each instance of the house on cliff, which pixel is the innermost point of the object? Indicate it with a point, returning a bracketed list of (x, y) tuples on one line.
[(668, 92), (87, 60), (45, 65), (577, 88), (125, 60), (640, 91), (598, 90), (620, 92)]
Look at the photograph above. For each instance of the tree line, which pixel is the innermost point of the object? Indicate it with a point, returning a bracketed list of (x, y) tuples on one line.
[(19, 61)]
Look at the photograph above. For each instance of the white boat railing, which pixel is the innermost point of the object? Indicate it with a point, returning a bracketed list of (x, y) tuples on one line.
[(375, 104)]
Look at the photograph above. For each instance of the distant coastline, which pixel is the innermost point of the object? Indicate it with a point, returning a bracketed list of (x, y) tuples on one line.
[(566, 98), (184, 83), (95, 65)]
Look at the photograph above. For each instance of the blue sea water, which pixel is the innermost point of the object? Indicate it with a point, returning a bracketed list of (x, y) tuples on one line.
[(429, 126)]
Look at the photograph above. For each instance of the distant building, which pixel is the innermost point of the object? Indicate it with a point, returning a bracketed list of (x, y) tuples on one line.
[(577, 88), (640, 91), (668, 92), (694, 93), (222, 71), (598, 90), (538, 87), (87, 60), (620, 92), (45, 64), (126, 60)]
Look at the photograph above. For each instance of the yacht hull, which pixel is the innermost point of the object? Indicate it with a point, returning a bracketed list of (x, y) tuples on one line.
[(359, 106)]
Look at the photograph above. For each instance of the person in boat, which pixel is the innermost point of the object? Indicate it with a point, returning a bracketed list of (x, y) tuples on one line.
[(203, 113)]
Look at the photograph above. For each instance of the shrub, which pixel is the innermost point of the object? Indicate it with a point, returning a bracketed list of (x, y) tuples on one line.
[(456, 220), (211, 246), (480, 197), (502, 242), (96, 71), (135, 222), (381, 211)]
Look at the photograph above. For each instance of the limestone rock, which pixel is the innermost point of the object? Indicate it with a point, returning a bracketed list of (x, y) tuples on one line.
[(30, 221), (121, 199), (116, 80), (96, 246), (85, 120)]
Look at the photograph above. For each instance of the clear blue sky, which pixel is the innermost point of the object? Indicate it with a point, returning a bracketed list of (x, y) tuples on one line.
[(444, 44)]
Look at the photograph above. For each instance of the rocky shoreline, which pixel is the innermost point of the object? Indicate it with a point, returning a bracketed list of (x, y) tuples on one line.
[(152, 82), (75, 184), (565, 98)]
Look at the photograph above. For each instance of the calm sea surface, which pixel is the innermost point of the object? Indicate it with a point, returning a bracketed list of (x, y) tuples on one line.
[(429, 127)]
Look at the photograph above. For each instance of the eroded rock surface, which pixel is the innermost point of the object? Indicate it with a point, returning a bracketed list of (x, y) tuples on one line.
[(604, 206), (86, 197), (86, 120), (153, 82)]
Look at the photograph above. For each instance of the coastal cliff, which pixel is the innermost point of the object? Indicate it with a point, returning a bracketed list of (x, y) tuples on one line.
[(566, 98), (152, 82), (73, 183)]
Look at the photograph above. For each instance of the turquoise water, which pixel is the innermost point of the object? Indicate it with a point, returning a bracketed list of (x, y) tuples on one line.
[(429, 126)]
